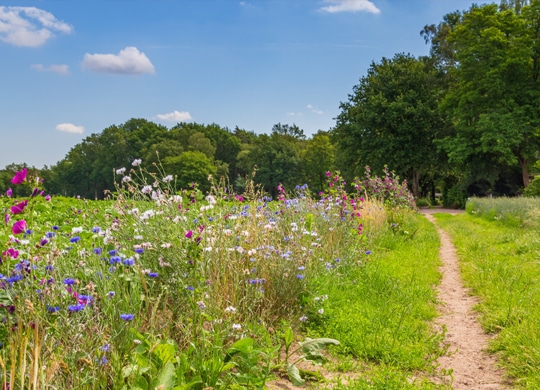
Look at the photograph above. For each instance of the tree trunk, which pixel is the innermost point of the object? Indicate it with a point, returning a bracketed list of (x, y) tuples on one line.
[(524, 163), (415, 183)]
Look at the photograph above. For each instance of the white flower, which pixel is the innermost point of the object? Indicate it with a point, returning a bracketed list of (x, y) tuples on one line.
[(166, 245), (320, 311), (146, 189), (77, 229), (136, 162), (211, 200), (125, 179), (167, 178), (176, 198), (230, 309), (236, 326), (120, 171)]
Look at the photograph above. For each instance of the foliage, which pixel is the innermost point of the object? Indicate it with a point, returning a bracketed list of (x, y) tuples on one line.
[(493, 104), (392, 119), (533, 189)]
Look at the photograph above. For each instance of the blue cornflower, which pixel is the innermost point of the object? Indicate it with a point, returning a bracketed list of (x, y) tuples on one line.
[(139, 250), (111, 294), (97, 251), (153, 275), (69, 281), (96, 229), (50, 234), (112, 269), (14, 279), (301, 268), (368, 252), (75, 239), (105, 348), (78, 307), (84, 299), (113, 252), (300, 276), (127, 317), (53, 309), (28, 231), (55, 227), (115, 259), (129, 261), (49, 268), (190, 288)]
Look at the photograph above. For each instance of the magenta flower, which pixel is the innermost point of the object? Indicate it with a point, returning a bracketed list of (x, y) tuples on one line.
[(6, 218), (20, 177), (19, 227), (189, 234), (19, 207), (9, 192)]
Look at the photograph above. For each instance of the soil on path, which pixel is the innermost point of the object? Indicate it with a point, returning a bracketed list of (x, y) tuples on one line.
[(472, 367)]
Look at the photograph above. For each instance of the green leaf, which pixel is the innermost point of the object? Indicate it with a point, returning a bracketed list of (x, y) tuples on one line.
[(294, 375), (243, 346), (166, 378), (312, 348), (165, 352), (288, 337)]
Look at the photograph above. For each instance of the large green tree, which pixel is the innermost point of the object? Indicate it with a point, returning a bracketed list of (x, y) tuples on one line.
[(494, 100), (392, 119)]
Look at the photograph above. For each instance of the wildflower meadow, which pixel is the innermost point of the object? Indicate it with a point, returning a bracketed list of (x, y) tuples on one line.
[(160, 287)]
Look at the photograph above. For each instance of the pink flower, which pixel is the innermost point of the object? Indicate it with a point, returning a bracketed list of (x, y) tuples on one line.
[(20, 177), (6, 218), (19, 227), (189, 234), (11, 253), (48, 198), (19, 207), (9, 192)]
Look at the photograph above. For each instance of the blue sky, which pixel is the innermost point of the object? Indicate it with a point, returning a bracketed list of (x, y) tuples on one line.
[(72, 68)]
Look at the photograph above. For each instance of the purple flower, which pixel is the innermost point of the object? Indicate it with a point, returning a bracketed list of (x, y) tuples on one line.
[(153, 275), (84, 299), (20, 176), (53, 309), (129, 261), (75, 239), (19, 207), (139, 250), (69, 281), (97, 251), (96, 229), (9, 192), (127, 317), (48, 198), (300, 276), (78, 307), (111, 294), (189, 234), (19, 227), (115, 259)]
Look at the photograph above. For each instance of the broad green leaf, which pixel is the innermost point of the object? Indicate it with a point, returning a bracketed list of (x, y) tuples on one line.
[(294, 375), (165, 353), (166, 378)]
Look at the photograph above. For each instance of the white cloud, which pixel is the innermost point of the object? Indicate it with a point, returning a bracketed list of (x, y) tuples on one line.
[(175, 116), (129, 61), (350, 6), (313, 109), (60, 69), (29, 26), (70, 128), (246, 4)]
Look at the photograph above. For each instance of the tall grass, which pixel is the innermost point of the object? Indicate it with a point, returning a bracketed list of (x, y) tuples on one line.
[(513, 211)]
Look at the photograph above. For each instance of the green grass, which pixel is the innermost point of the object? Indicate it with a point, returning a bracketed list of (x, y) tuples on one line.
[(499, 262), (380, 309)]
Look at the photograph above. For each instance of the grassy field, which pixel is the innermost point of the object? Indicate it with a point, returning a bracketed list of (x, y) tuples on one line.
[(499, 247), (158, 288)]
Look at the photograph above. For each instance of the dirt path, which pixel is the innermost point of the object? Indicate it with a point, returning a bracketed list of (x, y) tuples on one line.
[(472, 367)]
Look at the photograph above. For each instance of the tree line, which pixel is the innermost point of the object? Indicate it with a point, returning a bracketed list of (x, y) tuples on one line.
[(462, 121)]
